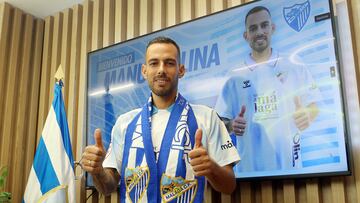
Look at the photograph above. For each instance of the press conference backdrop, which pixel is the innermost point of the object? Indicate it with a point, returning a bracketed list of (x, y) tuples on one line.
[(212, 50)]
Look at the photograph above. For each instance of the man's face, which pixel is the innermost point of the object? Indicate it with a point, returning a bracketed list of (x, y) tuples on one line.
[(162, 69), (259, 29)]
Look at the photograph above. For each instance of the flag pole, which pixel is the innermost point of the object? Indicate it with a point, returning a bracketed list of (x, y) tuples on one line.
[(59, 75)]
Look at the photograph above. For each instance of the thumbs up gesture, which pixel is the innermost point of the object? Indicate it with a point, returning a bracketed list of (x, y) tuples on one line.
[(201, 162), (301, 116), (239, 123), (94, 155)]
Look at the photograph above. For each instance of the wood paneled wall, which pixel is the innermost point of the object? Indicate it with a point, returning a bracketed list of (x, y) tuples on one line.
[(31, 49), (21, 44)]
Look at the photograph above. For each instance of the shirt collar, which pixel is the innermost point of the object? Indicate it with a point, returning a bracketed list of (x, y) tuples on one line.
[(155, 110), (273, 60), (169, 109)]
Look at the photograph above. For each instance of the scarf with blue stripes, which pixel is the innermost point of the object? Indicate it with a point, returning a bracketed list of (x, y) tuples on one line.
[(170, 178)]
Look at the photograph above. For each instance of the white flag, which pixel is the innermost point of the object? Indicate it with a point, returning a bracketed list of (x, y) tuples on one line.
[(52, 177)]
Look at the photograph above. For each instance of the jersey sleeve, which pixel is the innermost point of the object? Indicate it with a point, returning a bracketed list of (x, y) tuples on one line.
[(311, 92), (223, 104), (113, 158), (219, 144)]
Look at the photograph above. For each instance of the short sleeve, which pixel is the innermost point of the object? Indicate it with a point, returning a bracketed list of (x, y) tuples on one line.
[(113, 158), (219, 144), (223, 104), (311, 93), (114, 155)]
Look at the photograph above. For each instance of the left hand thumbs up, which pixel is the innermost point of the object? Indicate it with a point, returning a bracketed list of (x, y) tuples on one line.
[(200, 161), (297, 102), (198, 138), (301, 115)]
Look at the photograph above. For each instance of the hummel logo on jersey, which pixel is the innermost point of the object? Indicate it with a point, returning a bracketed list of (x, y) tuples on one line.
[(246, 84), (227, 145)]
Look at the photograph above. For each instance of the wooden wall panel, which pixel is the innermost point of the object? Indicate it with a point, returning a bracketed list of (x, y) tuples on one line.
[(218, 5), (66, 38), (159, 20), (21, 40), (86, 36), (337, 189), (55, 53), (120, 20), (289, 191), (312, 191), (97, 28), (133, 8), (22, 110), (354, 13), (10, 97), (145, 17), (74, 70), (33, 99), (65, 52), (202, 8), (232, 3), (45, 72), (5, 29), (2, 7), (187, 10), (172, 12), (109, 22)]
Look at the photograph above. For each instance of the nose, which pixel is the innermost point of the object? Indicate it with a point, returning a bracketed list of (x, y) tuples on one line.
[(259, 32), (161, 68)]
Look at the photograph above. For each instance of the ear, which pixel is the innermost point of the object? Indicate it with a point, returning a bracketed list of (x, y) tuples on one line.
[(143, 71), (245, 35), (273, 28), (182, 70)]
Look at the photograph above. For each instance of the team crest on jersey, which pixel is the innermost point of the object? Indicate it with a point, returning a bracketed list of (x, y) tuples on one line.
[(137, 182), (178, 189), (297, 15)]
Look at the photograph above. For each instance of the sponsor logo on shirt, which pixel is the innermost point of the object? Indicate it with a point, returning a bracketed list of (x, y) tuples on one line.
[(227, 145), (296, 150), (266, 106), (246, 84)]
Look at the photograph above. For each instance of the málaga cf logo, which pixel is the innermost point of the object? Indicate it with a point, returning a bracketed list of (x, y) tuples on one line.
[(297, 15), (177, 189), (137, 182)]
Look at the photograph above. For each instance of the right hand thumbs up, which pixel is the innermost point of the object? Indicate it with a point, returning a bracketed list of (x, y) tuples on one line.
[(98, 139), (242, 111), (94, 155), (239, 123)]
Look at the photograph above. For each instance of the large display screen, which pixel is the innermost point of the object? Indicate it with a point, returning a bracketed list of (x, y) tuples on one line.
[(269, 66)]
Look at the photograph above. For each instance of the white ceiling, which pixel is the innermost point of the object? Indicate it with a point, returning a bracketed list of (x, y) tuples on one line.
[(42, 8)]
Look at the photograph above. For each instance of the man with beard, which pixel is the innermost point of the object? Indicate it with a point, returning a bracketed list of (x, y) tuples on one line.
[(267, 102), (164, 151)]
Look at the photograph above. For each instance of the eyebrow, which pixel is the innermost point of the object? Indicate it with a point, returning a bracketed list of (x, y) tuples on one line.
[(266, 21), (166, 59)]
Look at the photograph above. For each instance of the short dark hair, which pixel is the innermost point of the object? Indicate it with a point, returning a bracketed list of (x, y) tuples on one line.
[(164, 40), (255, 10)]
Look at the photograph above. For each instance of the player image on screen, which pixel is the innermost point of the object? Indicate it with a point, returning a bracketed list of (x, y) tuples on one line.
[(268, 102)]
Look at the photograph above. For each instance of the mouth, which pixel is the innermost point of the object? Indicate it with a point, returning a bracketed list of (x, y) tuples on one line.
[(260, 39), (161, 81)]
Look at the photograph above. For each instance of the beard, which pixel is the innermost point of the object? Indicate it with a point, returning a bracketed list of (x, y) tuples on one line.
[(163, 90), (260, 46)]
